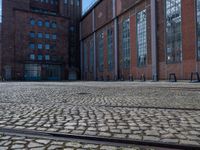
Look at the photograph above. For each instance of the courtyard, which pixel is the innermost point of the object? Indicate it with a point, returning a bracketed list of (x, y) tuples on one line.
[(162, 113)]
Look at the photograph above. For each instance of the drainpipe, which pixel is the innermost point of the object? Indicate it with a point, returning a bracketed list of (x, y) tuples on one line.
[(154, 40), (81, 52), (115, 38), (94, 45)]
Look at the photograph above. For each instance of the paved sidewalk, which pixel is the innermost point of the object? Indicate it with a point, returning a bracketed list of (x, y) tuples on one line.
[(157, 112)]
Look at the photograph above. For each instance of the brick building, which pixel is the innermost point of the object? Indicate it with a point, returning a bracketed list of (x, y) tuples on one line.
[(126, 39), (39, 39), (0, 51)]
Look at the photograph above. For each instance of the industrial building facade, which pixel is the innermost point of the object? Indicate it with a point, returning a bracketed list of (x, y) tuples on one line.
[(39, 39), (129, 39)]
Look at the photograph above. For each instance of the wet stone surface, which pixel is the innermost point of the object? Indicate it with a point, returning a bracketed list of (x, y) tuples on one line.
[(104, 109)]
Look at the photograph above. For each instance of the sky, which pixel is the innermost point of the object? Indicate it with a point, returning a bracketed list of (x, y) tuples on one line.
[(86, 3)]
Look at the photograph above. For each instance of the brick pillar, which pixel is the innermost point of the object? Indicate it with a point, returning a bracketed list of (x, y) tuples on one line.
[(94, 40), (154, 40), (115, 38)]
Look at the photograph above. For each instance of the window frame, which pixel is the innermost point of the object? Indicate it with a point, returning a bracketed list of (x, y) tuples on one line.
[(126, 47), (101, 52), (166, 37), (197, 39), (110, 49), (140, 65)]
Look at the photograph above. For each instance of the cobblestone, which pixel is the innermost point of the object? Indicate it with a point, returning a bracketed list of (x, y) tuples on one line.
[(127, 110), (35, 144)]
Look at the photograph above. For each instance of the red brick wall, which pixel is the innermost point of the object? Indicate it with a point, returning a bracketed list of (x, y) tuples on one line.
[(16, 28), (129, 8), (122, 72), (22, 40), (134, 70), (88, 74), (106, 73), (0, 50), (86, 26), (103, 13), (8, 30), (189, 40), (188, 65)]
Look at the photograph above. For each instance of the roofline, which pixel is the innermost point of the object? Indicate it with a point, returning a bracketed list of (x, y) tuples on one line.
[(90, 9)]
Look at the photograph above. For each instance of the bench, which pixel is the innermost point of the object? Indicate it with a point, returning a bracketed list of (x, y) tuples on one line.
[(172, 77), (142, 78), (195, 74)]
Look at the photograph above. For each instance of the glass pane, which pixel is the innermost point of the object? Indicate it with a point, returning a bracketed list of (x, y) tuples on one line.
[(173, 31), (142, 38)]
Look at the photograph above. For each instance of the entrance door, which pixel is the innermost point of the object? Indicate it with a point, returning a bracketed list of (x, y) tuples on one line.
[(72, 76), (53, 72), (7, 73), (32, 72)]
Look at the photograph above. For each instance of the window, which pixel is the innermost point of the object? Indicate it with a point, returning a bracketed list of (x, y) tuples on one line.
[(54, 2), (40, 23), (39, 46), (32, 72), (32, 46), (173, 31), (110, 49), (65, 1), (32, 22), (39, 57), (85, 58), (32, 34), (141, 38), (47, 24), (47, 46), (72, 2), (47, 57), (78, 2), (72, 29), (54, 25), (198, 29), (40, 35), (32, 57), (53, 47), (91, 56), (126, 43), (54, 36), (100, 46), (47, 36)]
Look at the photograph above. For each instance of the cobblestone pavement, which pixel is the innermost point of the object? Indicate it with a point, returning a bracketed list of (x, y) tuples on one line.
[(127, 110), (24, 143)]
